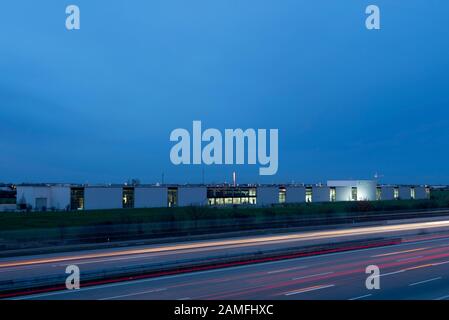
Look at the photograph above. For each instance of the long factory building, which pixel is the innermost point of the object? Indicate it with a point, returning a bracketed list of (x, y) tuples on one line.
[(97, 197)]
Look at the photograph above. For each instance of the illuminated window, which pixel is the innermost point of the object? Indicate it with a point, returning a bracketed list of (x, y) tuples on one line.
[(308, 194), (230, 195), (252, 192), (128, 198), (354, 193), (77, 198), (282, 193), (172, 197), (333, 194), (378, 193), (396, 193)]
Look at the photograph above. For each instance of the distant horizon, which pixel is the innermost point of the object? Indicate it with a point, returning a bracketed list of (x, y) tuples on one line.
[(379, 181)]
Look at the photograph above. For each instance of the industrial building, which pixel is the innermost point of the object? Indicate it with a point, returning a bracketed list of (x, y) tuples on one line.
[(353, 190), (90, 197)]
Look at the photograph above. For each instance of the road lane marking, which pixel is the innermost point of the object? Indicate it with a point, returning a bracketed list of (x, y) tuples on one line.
[(419, 267), (391, 273), (408, 259), (398, 252), (133, 294), (287, 269), (313, 275), (309, 289), (424, 281), (361, 297)]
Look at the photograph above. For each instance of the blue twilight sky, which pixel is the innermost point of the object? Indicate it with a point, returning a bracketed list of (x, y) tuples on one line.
[(98, 104)]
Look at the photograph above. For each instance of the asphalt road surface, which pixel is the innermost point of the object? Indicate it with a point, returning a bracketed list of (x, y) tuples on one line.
[(18, 269), (412, 270)]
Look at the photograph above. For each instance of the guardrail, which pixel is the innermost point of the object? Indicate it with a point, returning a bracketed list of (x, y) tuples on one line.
[(163, 231)]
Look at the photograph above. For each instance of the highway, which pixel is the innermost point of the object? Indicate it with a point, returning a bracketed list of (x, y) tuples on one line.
[(411, 270), (415, 270)]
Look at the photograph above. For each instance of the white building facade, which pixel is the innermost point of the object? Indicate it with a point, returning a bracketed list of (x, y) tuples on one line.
[(192, 196), (295, 194), (67, 197), (354, 190), (150, 197), (267, 195), (44, 197), (100, 198)]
